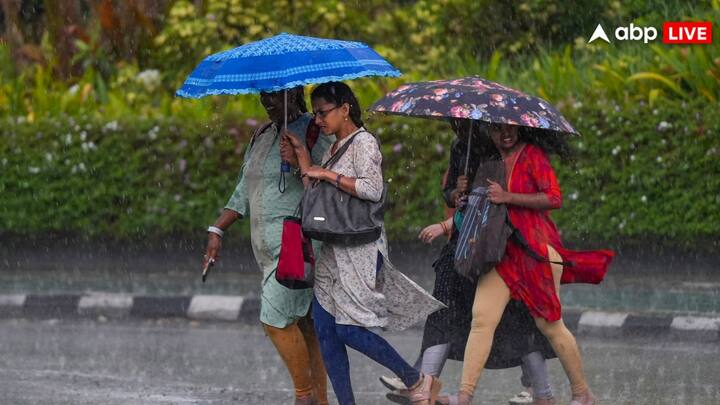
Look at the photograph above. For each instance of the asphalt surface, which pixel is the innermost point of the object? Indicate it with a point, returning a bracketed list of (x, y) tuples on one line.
[(73, 361)]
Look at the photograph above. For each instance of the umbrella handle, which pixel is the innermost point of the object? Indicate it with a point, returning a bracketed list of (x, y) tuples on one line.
[(284, 166), (469, 146)]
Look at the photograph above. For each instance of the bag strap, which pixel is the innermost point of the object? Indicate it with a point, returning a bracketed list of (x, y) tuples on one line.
[(259, 131), (518, 238), (338, 154)]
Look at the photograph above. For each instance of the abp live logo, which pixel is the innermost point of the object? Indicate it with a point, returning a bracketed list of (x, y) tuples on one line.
[(673, 33)]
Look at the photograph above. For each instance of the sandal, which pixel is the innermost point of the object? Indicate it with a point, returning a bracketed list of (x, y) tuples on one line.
[(425, 392), (398, 397), (587, 398), (523, 397), (393, 383), (454, 399)]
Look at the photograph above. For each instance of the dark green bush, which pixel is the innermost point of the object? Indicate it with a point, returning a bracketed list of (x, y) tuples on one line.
[(641, 173)]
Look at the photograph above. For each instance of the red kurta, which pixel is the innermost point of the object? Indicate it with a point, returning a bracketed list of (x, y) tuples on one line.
[(530, 280)]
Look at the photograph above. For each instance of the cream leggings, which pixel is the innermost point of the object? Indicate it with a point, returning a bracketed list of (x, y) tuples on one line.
[(491, 297), (298, 346)]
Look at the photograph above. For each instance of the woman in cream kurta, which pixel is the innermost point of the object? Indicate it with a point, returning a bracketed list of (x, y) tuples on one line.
[(356, 287), (347, 282)]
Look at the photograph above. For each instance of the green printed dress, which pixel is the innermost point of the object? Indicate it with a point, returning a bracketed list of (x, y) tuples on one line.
[(257, 196)]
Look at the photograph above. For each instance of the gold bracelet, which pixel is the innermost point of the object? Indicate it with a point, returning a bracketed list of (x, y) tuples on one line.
[(446, 231)]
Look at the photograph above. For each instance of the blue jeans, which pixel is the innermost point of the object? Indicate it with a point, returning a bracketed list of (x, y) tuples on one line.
[(333, 341)]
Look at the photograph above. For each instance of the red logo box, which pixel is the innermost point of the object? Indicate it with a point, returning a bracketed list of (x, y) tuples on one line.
[(687, 33)]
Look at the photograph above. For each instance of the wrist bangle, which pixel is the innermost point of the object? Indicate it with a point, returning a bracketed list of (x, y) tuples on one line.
[(446, 231), (337, 180), (217, 231)]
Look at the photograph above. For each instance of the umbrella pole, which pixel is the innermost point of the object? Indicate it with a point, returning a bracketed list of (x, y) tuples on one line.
[(469, 145), (284, 166)]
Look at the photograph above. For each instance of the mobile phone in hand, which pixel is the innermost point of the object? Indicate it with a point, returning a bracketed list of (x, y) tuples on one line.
[(206, 269)]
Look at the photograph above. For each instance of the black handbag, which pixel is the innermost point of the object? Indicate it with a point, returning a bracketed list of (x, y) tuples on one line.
[(332, 215)]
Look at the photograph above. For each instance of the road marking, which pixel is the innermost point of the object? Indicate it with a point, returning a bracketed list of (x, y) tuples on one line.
[(695, 323), (602, 319), (215, 307), (13, 300), (105, 302)]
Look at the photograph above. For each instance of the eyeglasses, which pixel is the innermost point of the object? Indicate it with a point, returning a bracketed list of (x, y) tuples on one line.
[(323, 113)]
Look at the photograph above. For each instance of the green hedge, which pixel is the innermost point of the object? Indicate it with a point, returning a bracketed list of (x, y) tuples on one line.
[(641, 173)]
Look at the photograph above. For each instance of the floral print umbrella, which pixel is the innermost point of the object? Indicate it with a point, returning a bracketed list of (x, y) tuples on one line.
[(473, 98)]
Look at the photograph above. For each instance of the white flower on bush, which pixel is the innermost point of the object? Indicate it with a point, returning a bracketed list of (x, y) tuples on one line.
[(73, 90), (149, 78), (664, 125), (644, 199), (616, 150), (576, 105), (439, 148), (49, 157), (574, 195), (153, 133), (621, 225), (33, 170), (83, 136), (659, 159), (632, 158), (80, 167), (88, 146), (111, 126), (68, 139)]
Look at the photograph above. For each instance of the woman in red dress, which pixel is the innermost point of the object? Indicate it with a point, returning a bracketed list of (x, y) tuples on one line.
[(531, 192)]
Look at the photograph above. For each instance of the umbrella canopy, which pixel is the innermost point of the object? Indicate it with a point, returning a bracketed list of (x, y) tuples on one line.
[(283, 62), (473, 98)]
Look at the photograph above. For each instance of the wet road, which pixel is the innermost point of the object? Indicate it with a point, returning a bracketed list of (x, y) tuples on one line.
[(178, 362)]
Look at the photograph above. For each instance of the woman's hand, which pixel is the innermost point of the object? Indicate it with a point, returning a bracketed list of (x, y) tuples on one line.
[(463, 184), (497, 194), (291, 145), (213, 249), (287, 152), (430, 233), (292, 139), (317, 173)]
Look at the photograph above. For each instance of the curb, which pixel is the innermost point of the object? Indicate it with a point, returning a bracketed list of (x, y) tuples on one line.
[(247, 309)]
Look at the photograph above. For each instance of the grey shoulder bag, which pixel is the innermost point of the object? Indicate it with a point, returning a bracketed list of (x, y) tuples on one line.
[(334, 216)]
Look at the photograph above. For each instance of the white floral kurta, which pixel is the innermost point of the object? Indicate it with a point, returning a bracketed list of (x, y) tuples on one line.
[(347, 283)]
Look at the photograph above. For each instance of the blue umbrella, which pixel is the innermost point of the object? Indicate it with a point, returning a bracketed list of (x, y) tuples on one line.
[(283, 62)]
